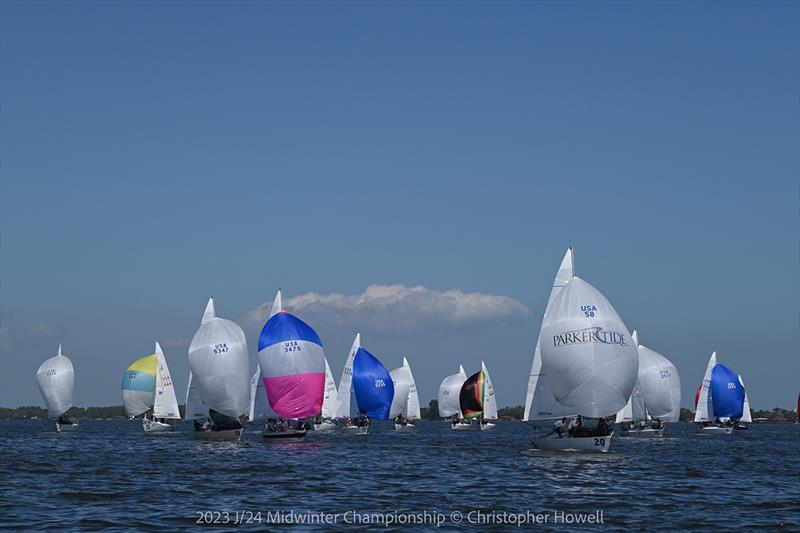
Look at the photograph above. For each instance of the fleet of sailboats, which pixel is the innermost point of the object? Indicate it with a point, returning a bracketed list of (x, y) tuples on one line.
[(587, 371)]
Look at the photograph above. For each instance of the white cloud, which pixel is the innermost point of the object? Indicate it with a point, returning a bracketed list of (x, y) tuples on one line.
[(398, 308)]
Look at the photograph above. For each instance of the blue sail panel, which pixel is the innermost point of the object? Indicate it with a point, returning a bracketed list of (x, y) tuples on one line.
[(373, 386), (285, 327), (727, 394)]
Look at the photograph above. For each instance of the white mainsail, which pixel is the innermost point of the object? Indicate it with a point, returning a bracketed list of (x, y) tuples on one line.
[(329, 400), (704, 406), (634, 410), (659, 382), (412, 408), (195, 408), (587, 354), (540, 403), (220, 364), (165, 404), (346, 381), (489, 399), (449, 391), (746, 415), (259, 404), (56, 380)]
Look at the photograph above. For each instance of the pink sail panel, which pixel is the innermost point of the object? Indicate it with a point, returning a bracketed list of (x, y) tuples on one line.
[(296, 396)]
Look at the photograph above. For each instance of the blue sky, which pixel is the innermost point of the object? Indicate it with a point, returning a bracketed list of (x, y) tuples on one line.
[(156, 153)]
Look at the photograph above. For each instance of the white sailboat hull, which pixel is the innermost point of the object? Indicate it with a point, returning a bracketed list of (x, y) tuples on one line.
[(404, 427), (66, 427), (226, 435), (460, 426), (488, 425), (716, 430), (325, 426), (574, 444), (152, 426), (357, 430)]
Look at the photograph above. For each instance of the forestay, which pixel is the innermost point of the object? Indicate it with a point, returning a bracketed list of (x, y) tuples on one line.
[(540, 404)]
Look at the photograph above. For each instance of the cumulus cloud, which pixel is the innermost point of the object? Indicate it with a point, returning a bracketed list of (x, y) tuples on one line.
[(399, 308)]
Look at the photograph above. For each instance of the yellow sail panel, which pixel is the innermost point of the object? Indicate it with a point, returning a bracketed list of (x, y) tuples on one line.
[(147, 364)]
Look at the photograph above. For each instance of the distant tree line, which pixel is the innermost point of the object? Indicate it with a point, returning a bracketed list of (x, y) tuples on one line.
[(31, 411), (777, 415)]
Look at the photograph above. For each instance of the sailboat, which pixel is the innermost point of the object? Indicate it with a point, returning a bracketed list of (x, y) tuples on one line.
[(540, 404), (747, 417), (366, 376), (293, 369), (405, 403), (449, 400), (590, 363), (476, 399), (328, 412), (219, 379), (656, 397), (56, 380), (721, 399), (147, 387)]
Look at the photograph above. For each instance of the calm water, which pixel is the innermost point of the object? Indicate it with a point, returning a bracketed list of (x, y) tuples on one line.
[(109, 475)]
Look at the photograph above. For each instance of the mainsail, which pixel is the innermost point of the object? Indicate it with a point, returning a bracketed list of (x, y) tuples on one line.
[(587, 353), (634, 410), (56, 380), (540, 403), (412, 408), (259, 405), (489, 399), (746, 415), (293, 365), (165, 404), (449, 392), (329, 400), (220, 365), (346, 382), (195, 408), (704, 408)]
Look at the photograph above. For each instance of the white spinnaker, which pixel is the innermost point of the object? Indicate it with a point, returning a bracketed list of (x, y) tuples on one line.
[(195, 408), (449, 391), (402, 385), (660, 384), (489, 399), (746, 415), (220, 364), (540, 404), (346, 381), (329, 400), (704, 405), (56, 380), (587, 354), (165, 404), (259, 405), (413, 411)]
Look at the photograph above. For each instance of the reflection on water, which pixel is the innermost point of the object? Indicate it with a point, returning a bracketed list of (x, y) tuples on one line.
[(96, 477)]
